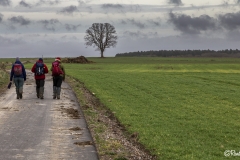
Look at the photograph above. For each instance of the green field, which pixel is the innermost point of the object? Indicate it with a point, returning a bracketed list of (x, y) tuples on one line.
[(182, 108)]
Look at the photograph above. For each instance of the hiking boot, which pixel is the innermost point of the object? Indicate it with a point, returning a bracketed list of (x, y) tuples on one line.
[(41, 91), (17, 92), (37, 90), (54, 92), (20, 91), (20, 95), (58, 92)]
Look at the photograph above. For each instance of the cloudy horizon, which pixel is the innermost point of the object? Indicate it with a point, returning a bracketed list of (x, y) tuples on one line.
[(50, 28)]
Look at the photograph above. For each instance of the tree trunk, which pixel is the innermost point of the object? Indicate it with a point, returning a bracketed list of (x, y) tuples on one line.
[(102, 54)]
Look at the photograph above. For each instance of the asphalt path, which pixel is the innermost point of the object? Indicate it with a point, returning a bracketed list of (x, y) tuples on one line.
[(48, 129)]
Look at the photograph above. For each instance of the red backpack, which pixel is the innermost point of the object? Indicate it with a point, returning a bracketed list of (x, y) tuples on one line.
[(17, 69), (56, 70)]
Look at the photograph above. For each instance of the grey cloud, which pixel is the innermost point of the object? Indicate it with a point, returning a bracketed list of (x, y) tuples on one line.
[(80, 2), (42, 2), (5, 2), (175, 2), (71, 38), (139, 34), (71, 27), (134, 22), (90, 10), (192, 25), (1, 17), (155, 23), (10, 42), (225, 3), (114, 6), (24, 4), (134, 35), (233, 35), (123, 22), (69, 10), (136, 8), (19, 20), (50, 24), (230, 20)]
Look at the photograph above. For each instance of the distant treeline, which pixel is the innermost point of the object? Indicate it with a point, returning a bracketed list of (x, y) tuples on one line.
[(183, 53)]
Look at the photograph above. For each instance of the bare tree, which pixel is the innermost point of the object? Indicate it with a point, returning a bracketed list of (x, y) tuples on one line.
[(101, 36)]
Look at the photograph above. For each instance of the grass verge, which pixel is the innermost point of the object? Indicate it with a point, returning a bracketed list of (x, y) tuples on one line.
[(4, 79), (111, 139)]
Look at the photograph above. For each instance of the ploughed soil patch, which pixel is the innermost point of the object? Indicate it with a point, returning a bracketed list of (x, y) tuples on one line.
[(71, 112), (80, 59)]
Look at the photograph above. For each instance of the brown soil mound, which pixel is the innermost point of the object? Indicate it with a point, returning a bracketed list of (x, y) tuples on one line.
[(80, 59)]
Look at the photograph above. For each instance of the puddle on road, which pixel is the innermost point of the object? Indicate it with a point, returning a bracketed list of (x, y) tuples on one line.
[(75, 129), (83, 143)]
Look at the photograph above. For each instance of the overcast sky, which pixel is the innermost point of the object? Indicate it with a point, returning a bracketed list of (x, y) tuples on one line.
[(50, 28)]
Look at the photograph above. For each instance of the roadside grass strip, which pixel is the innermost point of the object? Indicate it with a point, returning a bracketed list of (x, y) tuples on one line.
[(4, 79)]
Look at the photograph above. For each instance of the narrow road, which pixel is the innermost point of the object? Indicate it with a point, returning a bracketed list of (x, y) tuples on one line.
[(48, 129)]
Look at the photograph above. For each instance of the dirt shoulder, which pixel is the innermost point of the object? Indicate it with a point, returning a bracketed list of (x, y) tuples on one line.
[(110, 137)]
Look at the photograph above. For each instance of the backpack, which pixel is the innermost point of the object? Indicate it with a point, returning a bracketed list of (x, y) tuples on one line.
[(17, 69), (39, 69), (56, 70)]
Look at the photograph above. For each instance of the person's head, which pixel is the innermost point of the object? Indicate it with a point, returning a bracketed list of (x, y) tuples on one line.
[(40, 59), (58, 59), (17, 59)]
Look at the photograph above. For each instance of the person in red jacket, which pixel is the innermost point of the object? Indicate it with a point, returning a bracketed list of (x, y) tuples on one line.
[(40, 69)]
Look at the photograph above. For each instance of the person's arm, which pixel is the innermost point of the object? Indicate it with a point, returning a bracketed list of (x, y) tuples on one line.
[(64, 73), (24, 72), (45, 68), (11, 74)]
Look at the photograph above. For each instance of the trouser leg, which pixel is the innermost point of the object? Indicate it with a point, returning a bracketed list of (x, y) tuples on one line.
[(54, 92), (37, 87), (21, 81), (54, 87), (16, 82), (59, 83), (17, 92), (58, 92), (41, 89)]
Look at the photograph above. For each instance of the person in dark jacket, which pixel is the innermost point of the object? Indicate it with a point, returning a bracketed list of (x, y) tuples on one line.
[(57, 77), (18, 74), (40, 69)]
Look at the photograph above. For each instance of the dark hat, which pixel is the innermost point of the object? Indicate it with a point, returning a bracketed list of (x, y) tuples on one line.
[(40, 59)]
